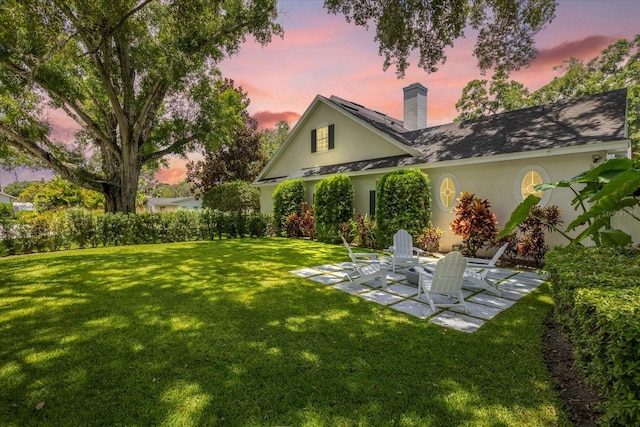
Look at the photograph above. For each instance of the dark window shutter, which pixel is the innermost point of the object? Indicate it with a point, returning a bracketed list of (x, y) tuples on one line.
[(314, 145), (332, 144), (372, 203)]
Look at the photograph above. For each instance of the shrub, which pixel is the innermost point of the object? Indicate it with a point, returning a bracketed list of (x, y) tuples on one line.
[(257, 224), (81, 226), (234, 196), (287, 199), (307, 221), (333, 205), (596, 293), (361, 231), (475, 223), (6, 210), (403, 200), (292, 225), (429, 239)]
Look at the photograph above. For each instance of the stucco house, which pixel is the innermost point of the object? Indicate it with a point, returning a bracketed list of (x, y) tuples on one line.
[(172, 204), (499, 158)]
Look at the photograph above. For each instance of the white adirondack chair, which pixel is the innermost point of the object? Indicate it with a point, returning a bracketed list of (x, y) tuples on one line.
[(367, 266), (446, 280), (403, 249), (478, 268)]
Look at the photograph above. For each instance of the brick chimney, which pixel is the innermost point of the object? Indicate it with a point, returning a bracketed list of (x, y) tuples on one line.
[(415, 107)]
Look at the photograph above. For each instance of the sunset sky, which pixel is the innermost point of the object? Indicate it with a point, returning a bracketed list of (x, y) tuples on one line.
[(323, 54)]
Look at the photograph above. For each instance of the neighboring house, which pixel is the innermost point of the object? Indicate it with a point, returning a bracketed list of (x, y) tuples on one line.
[(172, 204), (499, 158), (7, 198)]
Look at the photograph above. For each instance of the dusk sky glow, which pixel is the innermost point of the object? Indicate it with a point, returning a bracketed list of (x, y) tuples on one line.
[(323, 54)]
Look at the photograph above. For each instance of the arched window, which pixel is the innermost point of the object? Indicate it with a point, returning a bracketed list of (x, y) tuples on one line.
[(447, 192), (528, 179)]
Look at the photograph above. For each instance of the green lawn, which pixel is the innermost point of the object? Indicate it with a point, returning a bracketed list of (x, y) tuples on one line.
[(219, 333)]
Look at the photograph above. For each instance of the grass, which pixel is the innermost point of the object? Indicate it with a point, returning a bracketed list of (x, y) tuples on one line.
[(219, 333)]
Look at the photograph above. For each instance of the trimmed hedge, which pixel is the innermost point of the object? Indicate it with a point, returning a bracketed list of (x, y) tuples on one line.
[(597, 301), (82, 228), (403, 200), (288, 198), (333, 205)]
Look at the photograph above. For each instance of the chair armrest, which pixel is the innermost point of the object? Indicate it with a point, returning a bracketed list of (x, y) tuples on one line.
[(481, 261), (417, 250)]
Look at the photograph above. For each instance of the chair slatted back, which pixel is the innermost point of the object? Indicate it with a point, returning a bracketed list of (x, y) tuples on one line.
[(354, 259), (403, 243), (448, 275), (498, 254)]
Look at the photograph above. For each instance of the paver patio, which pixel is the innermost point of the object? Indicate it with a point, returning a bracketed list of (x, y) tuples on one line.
[(400, 295)]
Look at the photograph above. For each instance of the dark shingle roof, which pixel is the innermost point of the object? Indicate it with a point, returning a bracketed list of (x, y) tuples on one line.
[(574, 122)]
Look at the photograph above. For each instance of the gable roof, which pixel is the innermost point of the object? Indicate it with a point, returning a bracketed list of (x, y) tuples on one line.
[(567, 124)]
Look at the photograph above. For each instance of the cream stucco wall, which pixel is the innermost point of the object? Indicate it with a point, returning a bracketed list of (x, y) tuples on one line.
[(497, 181), (353, 142)]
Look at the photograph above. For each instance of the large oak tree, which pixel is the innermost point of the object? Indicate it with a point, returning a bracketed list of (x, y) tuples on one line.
[(138, 76)]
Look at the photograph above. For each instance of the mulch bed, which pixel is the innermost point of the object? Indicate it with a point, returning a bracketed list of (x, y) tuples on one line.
[(583, 402)]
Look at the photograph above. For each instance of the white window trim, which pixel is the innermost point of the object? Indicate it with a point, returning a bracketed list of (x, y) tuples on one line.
[(517, 187), (436, 192)]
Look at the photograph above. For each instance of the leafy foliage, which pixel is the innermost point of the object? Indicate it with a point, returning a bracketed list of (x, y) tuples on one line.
[(6, 210), (17, 187), (301, 224), (596, 293), (474, 222), (77, 227), (240, 159), (287, 199), (272, 139), (333, 205), (403, 200), (528, 240), (360, 231), (235, 196), (138, 78), (429, 239), (506, 29)]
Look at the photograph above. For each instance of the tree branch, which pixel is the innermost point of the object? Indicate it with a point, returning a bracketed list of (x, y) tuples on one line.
[(88, 180)]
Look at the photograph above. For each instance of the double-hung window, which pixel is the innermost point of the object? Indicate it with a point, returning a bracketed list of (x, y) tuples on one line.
[(322, 139)]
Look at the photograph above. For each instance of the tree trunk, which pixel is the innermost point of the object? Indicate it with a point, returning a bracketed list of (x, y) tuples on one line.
[(120, 195)]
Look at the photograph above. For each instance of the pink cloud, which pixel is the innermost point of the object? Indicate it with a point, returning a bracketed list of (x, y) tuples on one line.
[(269, 119), (175, 173), (586, 48)]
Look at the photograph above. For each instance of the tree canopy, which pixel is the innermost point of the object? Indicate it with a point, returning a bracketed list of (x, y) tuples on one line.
[(618, 66), (506, 29), (241, 158), (138, 77)]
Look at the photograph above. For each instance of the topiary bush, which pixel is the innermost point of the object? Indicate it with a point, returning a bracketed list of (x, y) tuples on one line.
[(596, 291), (287, 199), (403, 200), (333, 205)]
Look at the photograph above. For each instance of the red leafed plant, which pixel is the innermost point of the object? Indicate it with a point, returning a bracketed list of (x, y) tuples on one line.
[(475, 223)]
